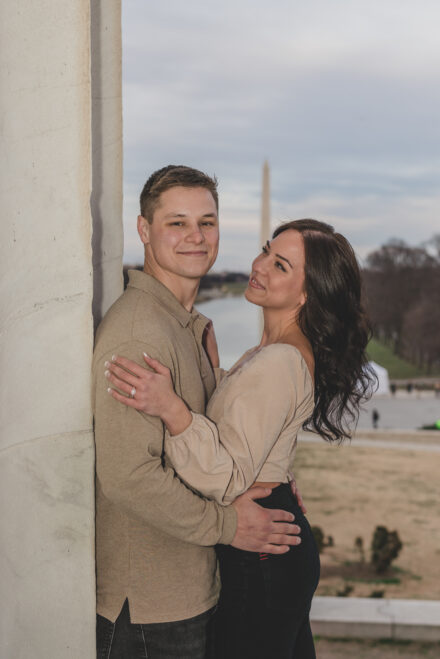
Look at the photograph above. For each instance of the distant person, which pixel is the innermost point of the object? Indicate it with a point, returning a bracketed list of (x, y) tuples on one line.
[(375, 416), (437, 389), (393, 389), (308, 369), (409, 387)]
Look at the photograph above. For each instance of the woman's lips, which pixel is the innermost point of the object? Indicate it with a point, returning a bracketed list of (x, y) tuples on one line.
[(254, 283)]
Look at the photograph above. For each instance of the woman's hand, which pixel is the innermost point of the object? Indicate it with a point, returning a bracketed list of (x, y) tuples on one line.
[(149, 391), (210, 345)]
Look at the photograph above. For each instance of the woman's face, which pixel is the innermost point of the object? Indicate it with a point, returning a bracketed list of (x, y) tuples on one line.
[(277, 277)]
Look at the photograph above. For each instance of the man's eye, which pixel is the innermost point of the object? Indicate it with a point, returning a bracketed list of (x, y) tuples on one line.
[(177, 224), (208, 223)]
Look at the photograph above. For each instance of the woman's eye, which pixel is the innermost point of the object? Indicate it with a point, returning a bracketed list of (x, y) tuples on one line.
[(280, 266), (264, 249)]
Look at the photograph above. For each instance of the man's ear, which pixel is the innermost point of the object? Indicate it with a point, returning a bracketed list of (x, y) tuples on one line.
[(143, 228)]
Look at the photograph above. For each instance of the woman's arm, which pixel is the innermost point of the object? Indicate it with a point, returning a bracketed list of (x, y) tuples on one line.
[(221, 460)]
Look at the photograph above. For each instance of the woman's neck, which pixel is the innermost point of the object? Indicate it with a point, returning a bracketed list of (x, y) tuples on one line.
[(279, 327)]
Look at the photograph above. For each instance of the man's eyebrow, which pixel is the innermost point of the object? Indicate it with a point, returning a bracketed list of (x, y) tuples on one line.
[(175, 214), (283, 258)]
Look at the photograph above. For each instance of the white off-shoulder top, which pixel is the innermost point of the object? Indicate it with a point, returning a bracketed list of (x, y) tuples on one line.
[(250, 428)]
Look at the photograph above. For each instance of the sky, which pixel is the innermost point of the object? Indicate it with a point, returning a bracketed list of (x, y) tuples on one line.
[(342, 97)]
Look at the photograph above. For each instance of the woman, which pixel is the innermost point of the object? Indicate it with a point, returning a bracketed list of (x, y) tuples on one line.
[(307, 371)]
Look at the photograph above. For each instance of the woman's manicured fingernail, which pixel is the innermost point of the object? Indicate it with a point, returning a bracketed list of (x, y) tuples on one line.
[(106, 364), (107, 374), (114, 358), (109, 390), (145, 355)]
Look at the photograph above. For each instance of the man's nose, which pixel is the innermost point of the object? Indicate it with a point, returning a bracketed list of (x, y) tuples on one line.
[(196, 235)]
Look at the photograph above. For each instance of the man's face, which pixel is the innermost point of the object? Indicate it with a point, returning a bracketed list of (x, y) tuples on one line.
[(182, 240)]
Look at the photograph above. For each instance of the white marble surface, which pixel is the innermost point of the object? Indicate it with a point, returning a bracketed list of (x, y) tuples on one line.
[(106, 197), (361, 617), (47, 608), (47, 575)]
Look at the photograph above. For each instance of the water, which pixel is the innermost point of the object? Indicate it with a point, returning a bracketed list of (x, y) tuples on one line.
[(237, 326)]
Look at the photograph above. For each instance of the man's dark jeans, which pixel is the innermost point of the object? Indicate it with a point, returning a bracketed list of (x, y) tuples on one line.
[(183, 639)]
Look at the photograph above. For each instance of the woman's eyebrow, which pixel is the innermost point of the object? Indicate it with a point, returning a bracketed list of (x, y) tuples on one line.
[(283, 258)]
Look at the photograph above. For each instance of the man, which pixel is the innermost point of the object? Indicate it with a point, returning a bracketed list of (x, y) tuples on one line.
[(156, 567)]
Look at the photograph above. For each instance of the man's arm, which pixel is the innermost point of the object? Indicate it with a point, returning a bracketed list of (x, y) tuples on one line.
[(131, 473)]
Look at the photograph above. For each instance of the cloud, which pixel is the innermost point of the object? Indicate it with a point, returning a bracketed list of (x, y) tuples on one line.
[(342, 97)]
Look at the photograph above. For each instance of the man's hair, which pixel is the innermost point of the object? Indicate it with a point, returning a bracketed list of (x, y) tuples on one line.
[(171, 177)]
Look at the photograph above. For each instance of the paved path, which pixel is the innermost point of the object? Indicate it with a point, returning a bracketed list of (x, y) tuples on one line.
[(407, 411), (391, 439)]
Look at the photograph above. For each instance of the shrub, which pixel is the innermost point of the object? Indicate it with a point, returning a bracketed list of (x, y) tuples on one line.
[(385, 547), (359, 546), (318, 534), (345, 592)]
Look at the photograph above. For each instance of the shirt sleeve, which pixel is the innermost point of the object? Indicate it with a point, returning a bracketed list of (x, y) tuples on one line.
[(223, 459), (131, 471)]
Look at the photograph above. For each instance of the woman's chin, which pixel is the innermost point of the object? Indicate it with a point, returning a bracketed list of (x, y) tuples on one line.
[(251, 297)]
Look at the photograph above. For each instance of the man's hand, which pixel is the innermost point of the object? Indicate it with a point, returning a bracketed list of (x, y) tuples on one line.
[(296, 492), (261, 529)]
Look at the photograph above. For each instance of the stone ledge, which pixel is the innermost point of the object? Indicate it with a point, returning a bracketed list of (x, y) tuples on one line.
[(363, 617)]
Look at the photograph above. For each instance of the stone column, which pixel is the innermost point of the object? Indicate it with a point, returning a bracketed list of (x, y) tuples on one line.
[(106, 198), (46, 286), (265, 232)]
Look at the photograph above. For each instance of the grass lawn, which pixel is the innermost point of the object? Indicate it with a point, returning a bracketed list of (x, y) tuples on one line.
[(397, 368), (348, 491)]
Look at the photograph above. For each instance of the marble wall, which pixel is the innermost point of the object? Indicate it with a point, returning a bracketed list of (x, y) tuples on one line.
[(46, 324), (106, 197)]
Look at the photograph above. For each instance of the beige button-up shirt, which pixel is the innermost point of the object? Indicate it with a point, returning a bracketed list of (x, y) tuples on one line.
[(154, 535)]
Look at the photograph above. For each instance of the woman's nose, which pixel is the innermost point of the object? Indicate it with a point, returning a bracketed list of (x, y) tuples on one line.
[(258, 264)]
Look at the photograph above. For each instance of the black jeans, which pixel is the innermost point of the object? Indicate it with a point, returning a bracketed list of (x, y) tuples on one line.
[(183, 639), (264, 606)]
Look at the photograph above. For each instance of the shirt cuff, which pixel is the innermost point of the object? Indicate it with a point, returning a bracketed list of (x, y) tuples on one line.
[(229, 525), (188, 430)]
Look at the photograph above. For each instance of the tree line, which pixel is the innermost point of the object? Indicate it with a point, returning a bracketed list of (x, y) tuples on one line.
[(402, 288)]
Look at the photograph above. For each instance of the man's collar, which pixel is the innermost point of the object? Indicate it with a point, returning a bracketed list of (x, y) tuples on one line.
[(148, 284)]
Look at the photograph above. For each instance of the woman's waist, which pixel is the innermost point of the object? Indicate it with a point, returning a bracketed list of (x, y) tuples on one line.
[(281, 497), (267, 484)]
